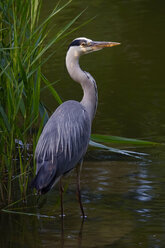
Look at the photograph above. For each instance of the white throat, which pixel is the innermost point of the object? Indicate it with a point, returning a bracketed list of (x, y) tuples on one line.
[(89, 100)]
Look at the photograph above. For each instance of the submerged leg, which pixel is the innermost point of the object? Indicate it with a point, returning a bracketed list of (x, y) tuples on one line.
[(61, 197), (78, 188), (80, 234)]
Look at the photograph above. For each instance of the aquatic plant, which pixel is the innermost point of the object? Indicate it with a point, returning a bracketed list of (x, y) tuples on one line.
[(23, 42)]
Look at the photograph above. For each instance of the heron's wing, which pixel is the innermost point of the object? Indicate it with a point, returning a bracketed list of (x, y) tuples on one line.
[(65, 137)]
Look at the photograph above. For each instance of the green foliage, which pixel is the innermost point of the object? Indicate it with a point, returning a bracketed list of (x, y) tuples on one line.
[(120, 140), (97, 138), (22, 45)]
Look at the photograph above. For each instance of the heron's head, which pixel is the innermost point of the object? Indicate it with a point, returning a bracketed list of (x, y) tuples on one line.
[(82, 45)]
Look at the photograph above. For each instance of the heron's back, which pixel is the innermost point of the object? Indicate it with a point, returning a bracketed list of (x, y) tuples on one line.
[(62, 144)]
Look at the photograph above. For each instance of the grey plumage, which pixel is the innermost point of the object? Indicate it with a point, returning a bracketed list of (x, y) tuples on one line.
[(65, 137), (62, 144)]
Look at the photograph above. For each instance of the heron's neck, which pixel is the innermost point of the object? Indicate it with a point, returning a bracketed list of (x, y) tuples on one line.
[(89, 100)]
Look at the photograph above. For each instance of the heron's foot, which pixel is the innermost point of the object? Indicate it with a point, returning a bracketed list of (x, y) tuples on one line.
[(62, 216), (84, 217)]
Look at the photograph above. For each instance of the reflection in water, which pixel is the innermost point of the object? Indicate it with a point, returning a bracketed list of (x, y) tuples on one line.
[(144, 214), (129, 209), (62, 232), (143, 193), (104, 224), (79, 234), (145, 189)]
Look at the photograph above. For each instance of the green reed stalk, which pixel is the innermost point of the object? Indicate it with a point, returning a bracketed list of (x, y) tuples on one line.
[(22, 45)]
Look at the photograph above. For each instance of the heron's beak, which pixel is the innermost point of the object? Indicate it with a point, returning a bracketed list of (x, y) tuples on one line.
[(101, 44)]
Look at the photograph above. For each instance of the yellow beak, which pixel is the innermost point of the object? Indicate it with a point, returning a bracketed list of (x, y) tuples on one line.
[(102, 44)]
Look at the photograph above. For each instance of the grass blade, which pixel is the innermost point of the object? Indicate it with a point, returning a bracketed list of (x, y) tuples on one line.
[(56, 38), (119, 151), (5, 118), (52, 90), (120, 140)]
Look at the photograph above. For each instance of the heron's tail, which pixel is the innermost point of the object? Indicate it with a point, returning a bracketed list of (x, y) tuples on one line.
[(45, 178)]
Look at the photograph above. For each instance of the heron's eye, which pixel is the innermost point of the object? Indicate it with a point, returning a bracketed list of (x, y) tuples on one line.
[(83, 44)]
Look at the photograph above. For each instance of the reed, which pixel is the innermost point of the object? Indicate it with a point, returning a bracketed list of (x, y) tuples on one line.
[(22, 46)]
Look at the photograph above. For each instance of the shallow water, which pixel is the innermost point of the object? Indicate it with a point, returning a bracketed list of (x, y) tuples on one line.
[(124, 202), (124, 198)]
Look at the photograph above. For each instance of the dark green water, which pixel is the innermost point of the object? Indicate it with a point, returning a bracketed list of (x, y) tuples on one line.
[(123, 198)]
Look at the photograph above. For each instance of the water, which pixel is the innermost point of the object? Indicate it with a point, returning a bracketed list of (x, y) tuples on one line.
[(123, 198)]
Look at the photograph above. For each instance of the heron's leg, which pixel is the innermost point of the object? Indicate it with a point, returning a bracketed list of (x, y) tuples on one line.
[(61, 197), (62, 232), (78, 187), (80, 234)]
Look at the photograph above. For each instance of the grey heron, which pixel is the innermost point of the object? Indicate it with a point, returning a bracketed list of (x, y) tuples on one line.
[(65, 137)]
